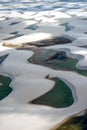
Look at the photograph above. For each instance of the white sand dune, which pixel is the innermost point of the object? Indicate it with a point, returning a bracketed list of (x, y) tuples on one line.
[(28, 80), (29, 83)]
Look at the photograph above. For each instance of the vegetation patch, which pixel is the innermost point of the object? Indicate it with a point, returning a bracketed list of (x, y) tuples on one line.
[(60, 96), (5, 89), (56, 60), (78, 122), (51, 41), (40, 43)]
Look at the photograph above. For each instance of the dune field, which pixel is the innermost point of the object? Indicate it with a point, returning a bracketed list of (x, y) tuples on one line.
[(43, 63)]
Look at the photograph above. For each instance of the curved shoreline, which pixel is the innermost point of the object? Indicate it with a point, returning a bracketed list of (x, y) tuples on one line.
[(73, 89), (28, 79), (5, 88), (39, 58), (53, 99)]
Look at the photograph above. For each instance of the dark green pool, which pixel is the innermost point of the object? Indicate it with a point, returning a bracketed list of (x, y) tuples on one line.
[(5, 89), (59, 96), (47, 58)]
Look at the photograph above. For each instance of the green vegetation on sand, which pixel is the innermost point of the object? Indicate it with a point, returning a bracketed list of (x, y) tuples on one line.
[(75, 123), (60, 96), (56, 60), (5, 90)]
